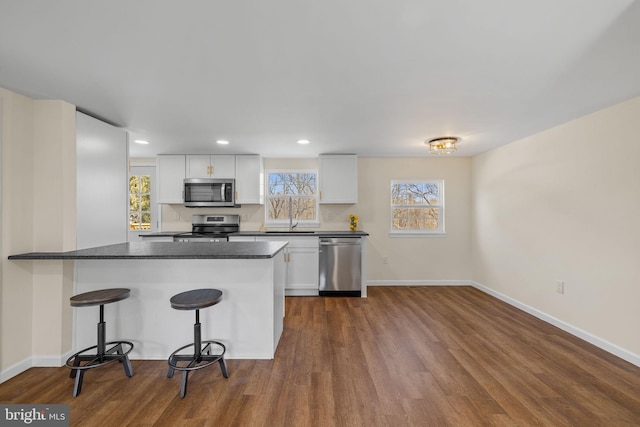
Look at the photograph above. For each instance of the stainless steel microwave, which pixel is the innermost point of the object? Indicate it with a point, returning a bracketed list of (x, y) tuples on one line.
[(209, 192)]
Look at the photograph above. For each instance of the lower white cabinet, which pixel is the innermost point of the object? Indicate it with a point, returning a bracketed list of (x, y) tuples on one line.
[(301, 259), (302, 266)]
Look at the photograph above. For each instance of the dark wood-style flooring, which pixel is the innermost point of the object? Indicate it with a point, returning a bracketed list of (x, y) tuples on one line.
[(415, 356)]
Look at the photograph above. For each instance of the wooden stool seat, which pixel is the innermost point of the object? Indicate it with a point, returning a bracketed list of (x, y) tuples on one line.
[(99, 297), (204, 353), (196, 299), (99, 355)]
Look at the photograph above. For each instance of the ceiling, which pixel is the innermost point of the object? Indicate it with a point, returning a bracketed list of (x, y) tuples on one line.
[(372, 77)]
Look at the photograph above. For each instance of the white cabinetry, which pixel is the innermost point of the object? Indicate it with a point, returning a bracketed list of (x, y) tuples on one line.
[(338, 174), (302, 267), (102, 183), (249, 179), (302, 263), (170, 170), (211, 166)]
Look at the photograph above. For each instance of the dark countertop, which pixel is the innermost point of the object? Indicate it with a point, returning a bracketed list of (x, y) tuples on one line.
[(318, 233), (163, 234), (167, 250)]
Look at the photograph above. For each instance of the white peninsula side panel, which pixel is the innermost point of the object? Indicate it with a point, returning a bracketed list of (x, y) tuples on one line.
[(248, 320), (102, 183)]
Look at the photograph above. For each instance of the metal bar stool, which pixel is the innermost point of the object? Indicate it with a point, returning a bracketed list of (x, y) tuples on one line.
[(102, 356), (201, 356)]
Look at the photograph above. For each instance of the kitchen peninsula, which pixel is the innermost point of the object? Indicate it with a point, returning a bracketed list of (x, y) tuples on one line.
[(249, 320)]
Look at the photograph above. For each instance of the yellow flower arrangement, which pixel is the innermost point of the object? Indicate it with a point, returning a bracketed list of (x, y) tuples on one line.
[(353, 222)]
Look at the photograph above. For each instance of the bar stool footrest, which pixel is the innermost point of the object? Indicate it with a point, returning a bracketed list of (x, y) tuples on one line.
[(196, 362), (114, 354)]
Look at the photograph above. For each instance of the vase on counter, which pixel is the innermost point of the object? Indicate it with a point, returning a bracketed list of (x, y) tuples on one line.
[(353, 222)]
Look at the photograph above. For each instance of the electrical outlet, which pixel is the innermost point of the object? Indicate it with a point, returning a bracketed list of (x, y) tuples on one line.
[(330, 216), (177, 216), (244, 217), (560, 286), (385, 260)]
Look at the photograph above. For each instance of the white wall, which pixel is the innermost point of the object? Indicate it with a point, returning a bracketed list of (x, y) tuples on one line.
[(17, 230), (563, 205), (54, 225), (37, 189), (414, 258)]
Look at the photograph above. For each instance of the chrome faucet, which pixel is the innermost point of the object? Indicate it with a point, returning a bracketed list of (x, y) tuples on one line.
[(291, 224)]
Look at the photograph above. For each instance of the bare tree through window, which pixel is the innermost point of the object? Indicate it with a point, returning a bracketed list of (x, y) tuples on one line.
[(298, 187), (139, 202), (417, 206)]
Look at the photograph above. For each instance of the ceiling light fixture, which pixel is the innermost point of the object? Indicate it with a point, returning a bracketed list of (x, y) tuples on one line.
[(141, 141), (222, 142), (444, 145), (303, 141)]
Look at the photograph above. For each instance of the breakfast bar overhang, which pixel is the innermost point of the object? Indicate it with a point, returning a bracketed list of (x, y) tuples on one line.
[(249, 320)]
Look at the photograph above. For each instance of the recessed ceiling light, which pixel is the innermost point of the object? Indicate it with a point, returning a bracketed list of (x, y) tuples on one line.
[(303, 141), (141, 141), (222, 142)]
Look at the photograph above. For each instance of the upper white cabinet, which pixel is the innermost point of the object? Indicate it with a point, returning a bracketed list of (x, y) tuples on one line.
[(170, 172), (338, 178), (211, 166), (249, 179)]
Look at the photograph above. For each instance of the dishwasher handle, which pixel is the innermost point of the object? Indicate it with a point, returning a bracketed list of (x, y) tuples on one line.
[(340, 243)]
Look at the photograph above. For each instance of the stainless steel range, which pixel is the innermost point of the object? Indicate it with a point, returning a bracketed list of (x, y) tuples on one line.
[(210, 228)]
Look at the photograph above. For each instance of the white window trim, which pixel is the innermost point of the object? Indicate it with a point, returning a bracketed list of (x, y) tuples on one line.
[(308, 223), (440, 232)]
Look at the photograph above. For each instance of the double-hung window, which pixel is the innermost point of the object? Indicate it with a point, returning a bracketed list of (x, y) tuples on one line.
[(292, 193), (417, 208), (139, 202)]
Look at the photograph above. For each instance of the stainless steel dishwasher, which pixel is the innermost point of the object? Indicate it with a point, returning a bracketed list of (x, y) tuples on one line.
[(340, 266)]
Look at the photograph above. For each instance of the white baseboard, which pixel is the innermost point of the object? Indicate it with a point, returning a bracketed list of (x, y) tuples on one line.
[(51, 361), (15, 369), (47, 361), (301, 292), (419, 283), (598, 342)]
